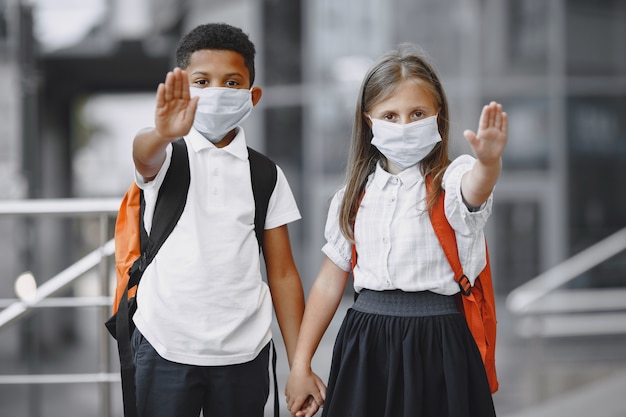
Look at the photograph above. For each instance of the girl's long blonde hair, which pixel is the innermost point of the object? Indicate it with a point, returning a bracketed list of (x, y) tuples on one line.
[(381, 81)]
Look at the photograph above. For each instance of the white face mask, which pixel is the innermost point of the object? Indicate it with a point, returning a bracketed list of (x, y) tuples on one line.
[(405, 145), (220, 110)]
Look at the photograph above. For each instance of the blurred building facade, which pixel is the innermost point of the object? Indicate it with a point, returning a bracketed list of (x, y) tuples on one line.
[(558, 66)]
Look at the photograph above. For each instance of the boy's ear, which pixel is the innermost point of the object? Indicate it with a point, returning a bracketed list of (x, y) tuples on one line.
[(256, 92)]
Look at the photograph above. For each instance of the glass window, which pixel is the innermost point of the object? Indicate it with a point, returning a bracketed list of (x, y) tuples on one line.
[(527, 32), (282, 42), (596, 37), (283, 135), (517, 243), (528, 143), (437, 26), (596, 125), (597, 166)]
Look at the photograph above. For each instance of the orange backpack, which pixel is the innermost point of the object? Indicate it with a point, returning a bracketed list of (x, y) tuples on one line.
[(476, 302)]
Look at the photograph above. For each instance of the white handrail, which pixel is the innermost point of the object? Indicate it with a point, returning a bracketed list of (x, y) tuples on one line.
[(60, 206), (57, 282), (104, 209), (520, 299)]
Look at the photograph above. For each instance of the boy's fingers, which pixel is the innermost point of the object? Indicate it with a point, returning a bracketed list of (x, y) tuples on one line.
[(160, 96), (185, 85), (169, 82)]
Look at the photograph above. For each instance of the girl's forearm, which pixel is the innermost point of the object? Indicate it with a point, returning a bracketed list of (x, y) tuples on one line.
[(478, 183), (321, 306)]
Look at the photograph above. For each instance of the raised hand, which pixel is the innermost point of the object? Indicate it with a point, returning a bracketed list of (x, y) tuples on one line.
[(489, 141), (175, 109)]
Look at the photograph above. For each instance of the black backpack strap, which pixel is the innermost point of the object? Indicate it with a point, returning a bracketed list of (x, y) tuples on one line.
[(169, 206), (263, 174)]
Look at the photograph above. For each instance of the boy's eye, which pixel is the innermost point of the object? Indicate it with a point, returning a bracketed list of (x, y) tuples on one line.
[(231, 83), (201, 82)]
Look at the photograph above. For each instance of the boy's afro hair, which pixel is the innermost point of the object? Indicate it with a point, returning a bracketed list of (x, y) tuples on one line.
[(219, 36)]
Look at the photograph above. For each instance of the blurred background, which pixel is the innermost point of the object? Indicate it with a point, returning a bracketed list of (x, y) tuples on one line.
[(78, 79)]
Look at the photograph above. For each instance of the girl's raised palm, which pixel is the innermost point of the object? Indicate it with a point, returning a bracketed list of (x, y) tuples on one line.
[(489, 141)]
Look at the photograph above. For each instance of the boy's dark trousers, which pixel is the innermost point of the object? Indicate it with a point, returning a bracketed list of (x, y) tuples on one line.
[(169, 389)]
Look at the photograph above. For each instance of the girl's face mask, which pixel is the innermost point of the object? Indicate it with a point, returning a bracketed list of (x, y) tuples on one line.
[(405, 144), (220, 110)]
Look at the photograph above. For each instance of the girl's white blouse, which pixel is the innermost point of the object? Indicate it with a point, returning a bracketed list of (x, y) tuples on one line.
[(396, 245)]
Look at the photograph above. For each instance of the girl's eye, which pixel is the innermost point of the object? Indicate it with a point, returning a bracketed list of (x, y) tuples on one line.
[(419, 115), (389, 117)]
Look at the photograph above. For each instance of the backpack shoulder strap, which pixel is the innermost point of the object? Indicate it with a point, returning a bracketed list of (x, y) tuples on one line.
[(478, 305), (263, 175), (171, 199), (447, 239), (169, 206)]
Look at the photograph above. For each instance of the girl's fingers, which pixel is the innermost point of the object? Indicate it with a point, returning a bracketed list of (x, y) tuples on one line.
[(483, 122), (498, 118), (491, 114)]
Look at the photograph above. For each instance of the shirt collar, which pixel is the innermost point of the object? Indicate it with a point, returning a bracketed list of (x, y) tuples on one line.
[(237, 147), (408, 178)]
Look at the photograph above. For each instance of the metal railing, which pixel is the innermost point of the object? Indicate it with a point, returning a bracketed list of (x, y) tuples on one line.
[(545, 309), (15, 309)]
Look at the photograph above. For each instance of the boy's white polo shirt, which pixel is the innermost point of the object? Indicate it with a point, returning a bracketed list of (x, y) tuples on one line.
[(202, 301)]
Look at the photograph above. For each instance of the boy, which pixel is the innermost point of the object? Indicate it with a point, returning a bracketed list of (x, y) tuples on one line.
[(204, 312)]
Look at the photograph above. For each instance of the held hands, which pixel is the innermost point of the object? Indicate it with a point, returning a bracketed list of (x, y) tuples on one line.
[(175, 109), (305, 393), (489, 141)]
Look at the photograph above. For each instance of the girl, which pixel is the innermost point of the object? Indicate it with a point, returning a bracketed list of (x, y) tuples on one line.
[(403, 349)]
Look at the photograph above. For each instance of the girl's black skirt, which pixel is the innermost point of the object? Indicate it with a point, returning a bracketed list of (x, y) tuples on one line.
[(401, 354)]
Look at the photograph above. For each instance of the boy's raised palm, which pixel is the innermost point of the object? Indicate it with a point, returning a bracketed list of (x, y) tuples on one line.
[(175, 109)]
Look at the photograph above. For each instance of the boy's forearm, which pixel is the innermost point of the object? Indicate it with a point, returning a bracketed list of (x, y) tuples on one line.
[(288, 299), (149, 152)]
